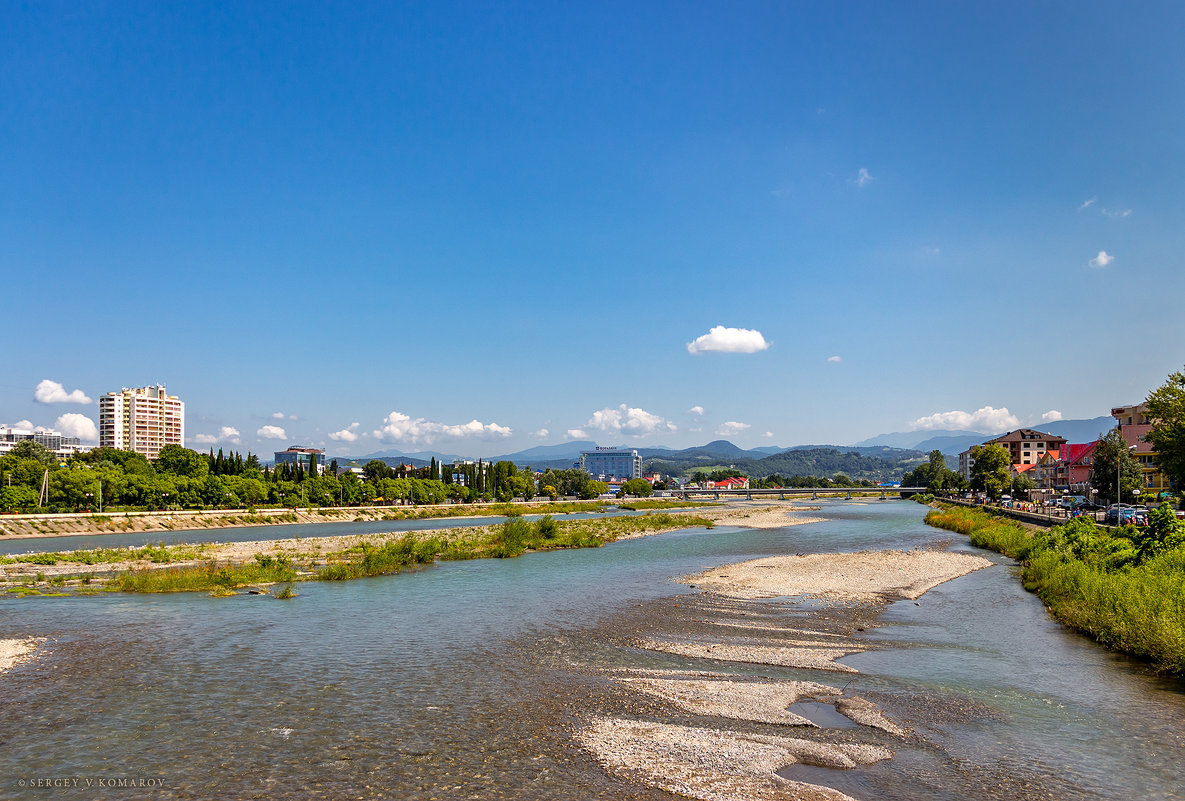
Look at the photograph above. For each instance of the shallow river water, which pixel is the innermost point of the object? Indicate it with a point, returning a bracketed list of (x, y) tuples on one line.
[(464, 680)]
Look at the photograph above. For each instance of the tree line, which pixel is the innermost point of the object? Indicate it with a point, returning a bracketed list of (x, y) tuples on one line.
[(105, 479)]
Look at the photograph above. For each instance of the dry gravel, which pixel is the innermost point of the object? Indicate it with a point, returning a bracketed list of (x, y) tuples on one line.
[(867, 576), (13, 652), (714, 765)]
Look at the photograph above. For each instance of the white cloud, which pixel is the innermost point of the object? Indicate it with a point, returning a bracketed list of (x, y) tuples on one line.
[(399, 427), (732, 427), (53, 392), (225, 434), (1051, 415), (271, 432), (834, 359), (1117, 214), (728, 340), (78, 425), (282, 416), (987, 419), (347, 434), (863, 178), (542, 433), (696, 410), (768, 435), (1102, 260), (629, 420), (23, 424), (1087, 204), (577, 433)]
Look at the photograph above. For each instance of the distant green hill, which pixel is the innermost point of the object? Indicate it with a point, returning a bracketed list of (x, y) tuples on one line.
[(876, 464)]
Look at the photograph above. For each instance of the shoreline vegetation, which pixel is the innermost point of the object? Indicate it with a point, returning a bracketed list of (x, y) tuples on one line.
[(1123, 588), (226, 568)]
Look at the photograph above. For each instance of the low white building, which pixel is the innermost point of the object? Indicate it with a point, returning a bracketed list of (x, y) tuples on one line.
[(62, 446)]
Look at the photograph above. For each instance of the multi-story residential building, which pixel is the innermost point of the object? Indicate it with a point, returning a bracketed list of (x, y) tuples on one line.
[(142, 420), (607, 464), (310, 460), (1073, 467), (1134, 426), (1024, 446), (62, 446)]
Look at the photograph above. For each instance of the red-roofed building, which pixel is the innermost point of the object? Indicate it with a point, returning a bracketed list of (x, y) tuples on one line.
[(732, 483)]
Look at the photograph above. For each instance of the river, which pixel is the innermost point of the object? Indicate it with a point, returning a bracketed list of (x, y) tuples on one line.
[(464, 680)]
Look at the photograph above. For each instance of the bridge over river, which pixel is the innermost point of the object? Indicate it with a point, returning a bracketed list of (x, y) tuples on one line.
[(844, 493)]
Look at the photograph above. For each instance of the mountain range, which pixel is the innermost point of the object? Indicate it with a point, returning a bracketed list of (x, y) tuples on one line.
[(876, 457), (953, 442)]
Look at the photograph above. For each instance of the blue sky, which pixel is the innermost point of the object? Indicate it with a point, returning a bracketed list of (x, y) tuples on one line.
[(479, 227)]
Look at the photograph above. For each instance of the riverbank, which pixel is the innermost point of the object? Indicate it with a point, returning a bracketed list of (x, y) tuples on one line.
[(1127, 594), (707, 727), (227, 567)]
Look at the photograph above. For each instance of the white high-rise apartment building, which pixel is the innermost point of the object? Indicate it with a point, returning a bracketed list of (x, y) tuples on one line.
[(141, 420)]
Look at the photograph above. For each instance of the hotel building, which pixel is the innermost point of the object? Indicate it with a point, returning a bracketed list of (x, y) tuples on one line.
[(610, 463), (141, 420)]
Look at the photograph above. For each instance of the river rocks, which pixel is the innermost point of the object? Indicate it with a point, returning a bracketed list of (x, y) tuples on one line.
[(716, 765)]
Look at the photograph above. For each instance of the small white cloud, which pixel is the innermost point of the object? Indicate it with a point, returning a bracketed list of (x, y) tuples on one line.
[(834, 359), (768, 435), (78, 425), (1051, 416), (986, 419), (271, 432), (1102, 260), (732, 427), (629, 420), (577, 433), (52, 392), (728, 340), (863, 178), (399, 427), (282, 416), (347, 434), (1117, 214), (542, 433), (696, 410), (228, 434), (1087, 204), (23, 424)]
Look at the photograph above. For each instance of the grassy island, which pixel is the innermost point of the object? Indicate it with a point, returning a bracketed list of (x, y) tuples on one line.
[(224, 568)]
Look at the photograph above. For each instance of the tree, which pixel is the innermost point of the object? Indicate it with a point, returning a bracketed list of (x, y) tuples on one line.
[(593, 489), (28, 449), (991, 472), (1022, 483), (1164, 532), (182, 462), (639, 487), (1113, 461), (1166, 410)]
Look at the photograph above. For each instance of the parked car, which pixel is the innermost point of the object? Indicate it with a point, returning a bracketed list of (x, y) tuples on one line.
[(1114, 512)]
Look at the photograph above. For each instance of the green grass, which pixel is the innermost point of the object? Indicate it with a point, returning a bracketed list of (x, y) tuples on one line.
[(663, 503), (1094, 580), (202, 577)]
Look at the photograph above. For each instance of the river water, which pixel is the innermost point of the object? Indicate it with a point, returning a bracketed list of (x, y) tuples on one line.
[(464, 680)]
